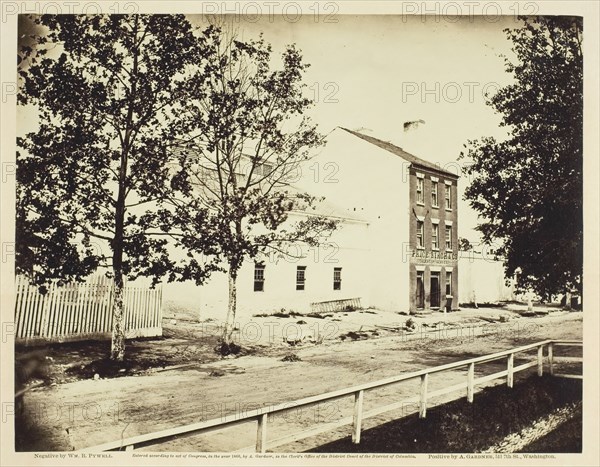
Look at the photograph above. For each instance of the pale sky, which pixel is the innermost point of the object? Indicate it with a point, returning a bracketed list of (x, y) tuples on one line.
[(373, 73), (377, 72)]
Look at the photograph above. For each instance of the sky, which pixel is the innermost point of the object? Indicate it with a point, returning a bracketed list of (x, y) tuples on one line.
[(374, 73)]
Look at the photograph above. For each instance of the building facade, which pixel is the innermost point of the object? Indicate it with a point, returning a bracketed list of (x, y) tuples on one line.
[(427, 222), (396, 247)]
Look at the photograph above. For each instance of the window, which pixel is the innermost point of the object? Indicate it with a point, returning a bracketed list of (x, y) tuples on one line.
[(448, 237), (300, 277), (448, 283), (420, 243), (264, 169), (449, 197), (420, 191), (337, 278), (434, 193), (259, 277), (435, 233)]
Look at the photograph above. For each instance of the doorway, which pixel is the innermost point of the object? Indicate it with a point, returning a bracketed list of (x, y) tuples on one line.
[(420, 290), (434, 290)]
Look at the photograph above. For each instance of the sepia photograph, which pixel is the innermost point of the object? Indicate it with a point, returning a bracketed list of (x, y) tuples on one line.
[(299, 232)]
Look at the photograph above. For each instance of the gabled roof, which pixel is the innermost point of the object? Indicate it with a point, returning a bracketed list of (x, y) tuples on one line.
[(398, 151)]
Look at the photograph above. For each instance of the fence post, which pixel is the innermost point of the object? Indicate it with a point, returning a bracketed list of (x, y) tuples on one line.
[(551, 358), (129, 447), (423, 398), (261, 434), (470, 381), (510, 365), (540, 360), (358, 407)]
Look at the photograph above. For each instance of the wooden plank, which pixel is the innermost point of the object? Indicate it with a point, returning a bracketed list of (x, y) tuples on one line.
[(569, 376), (32, 306), (55, 310), (154, 322), (93, 315), (446, 390), (59, 311), (21, 286), (509, 371), (85, 308), (540, 360), (261, 433), (325, 428), (568, 343), (73, 315), (104, 304), (173, 433), (46, 311), (551, 358), (525, 366), (563, 358), (28, 306), (423, 396), (358, 416), (492, 377), (390, 407), (148, 294), (66, 314), (470, 382), (160, 294), (107, 305), (103, 298), (77, 318)]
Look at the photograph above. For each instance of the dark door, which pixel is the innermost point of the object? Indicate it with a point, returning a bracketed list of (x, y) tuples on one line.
[(434, 290), (420, 290)]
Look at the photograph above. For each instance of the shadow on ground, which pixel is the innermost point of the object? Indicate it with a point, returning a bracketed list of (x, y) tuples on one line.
[(460, 426)]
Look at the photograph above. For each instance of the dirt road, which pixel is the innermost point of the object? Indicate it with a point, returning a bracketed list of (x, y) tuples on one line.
[(90, 412)]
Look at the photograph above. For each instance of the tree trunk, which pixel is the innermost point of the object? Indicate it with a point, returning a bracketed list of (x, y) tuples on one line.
[(117, 349), (231, 307)]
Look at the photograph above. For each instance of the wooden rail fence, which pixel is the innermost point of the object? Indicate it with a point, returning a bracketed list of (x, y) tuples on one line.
[(80, 311), (261, 415), (336, 305)]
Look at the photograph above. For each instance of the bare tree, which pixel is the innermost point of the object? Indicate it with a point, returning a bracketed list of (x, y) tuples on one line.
[(248, 141)]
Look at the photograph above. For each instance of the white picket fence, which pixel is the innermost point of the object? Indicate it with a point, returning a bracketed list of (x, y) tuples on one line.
[(82, 311)]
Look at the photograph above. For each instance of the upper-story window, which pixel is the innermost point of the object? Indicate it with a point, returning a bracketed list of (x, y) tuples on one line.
[(434, 192), (337, 278), (420, 230), (300, 277), (259, 277), (420, 197), (435, 235), (448, 237), (448, 197)]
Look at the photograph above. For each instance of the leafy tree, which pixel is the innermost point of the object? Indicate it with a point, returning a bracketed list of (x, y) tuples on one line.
[(247, 143), (528, 188), (108, 90), (464, 244)]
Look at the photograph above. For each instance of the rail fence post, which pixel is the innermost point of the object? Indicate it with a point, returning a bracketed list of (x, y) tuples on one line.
[(540, 360), (510, 365), (358, 408), (423, 396), (470, 381), (261, 434), (551, 358)]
